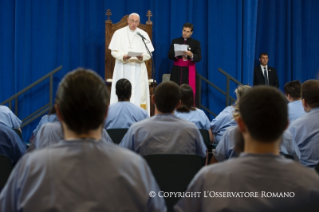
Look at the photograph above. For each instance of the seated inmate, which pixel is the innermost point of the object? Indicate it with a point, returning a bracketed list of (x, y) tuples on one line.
[(81, 173), (124, 113), (225, 118), (305, 129), (260, 179), (190, 113), (165, 133)]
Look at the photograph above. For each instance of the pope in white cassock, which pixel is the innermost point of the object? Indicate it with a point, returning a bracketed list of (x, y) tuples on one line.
[(134, 69)]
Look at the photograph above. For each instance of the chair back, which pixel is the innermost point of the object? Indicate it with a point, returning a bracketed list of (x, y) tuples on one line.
[(18, 132), (5, 170), (205, 135), (287, 156), (317, 168), (173, 172), (117, 134)]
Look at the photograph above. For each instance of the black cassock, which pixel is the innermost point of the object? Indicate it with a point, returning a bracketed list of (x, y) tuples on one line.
[(179, 74)]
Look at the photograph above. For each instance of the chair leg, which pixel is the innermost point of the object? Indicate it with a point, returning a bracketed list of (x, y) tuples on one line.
[(206, 160)]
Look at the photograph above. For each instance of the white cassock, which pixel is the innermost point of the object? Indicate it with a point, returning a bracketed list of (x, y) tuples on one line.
[(123, 41)]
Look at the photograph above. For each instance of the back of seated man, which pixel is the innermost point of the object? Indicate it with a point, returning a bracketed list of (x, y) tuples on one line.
[(52, 133), (165, 133), (225, 118), (81, 173), (226, 146), (8, 118), (293, 95), (305, 129), (11, 145), (124, 113), (260, 179), (51, 117)]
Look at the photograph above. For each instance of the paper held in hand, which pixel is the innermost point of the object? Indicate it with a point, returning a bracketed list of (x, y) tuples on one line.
[(179, 49), (134, 54)]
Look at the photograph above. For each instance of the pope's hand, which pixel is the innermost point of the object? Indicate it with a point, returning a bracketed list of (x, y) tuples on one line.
[(140, 57), (125, 57)]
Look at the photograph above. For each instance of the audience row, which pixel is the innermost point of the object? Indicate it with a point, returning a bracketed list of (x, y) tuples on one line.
[(76, 155)]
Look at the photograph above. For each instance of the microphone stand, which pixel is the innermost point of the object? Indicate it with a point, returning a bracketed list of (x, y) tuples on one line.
[(153, 66)]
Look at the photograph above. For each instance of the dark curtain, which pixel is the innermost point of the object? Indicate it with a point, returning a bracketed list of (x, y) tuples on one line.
[(37, 36)]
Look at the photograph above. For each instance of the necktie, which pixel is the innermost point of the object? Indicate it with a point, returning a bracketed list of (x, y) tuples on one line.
[(265, 76)]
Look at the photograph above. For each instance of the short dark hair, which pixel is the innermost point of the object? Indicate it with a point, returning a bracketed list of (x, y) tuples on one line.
[(310, 92), (187, 99), (264, 112), (82, 99), (293, 88), (189, 25), (263, 53), (167, 95), (123, 89)]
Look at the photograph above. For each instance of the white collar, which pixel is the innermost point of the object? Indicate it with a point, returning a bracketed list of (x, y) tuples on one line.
[(131, 31)]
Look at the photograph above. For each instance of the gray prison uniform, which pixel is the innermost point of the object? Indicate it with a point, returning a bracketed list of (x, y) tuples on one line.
[(198, 117), (52, 133), (226, 146), (8, 118), (11, 145), (81, 175), (222, 121), (164, 134), (281, 185), (295, 110), (45, 119), (305, 131)]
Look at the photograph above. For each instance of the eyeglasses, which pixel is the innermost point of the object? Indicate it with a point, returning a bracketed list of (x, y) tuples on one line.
[(132, 21)]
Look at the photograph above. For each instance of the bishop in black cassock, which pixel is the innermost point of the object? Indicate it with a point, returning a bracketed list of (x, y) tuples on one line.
[(184, 72)]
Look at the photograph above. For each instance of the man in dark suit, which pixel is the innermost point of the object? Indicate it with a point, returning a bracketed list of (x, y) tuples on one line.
[(184, 71), (264, 74)]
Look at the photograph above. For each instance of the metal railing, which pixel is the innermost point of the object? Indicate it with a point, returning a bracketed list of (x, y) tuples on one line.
[(229, 99), (40, 111), (48, 106)]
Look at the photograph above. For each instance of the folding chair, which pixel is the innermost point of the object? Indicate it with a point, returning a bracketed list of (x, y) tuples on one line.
[(173, 172), (5, 170), (209, 146), (117, 134), (18, 132), (287, 156), (317, 168)]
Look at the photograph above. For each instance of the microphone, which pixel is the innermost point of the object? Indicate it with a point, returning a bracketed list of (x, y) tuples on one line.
[(138, 33)]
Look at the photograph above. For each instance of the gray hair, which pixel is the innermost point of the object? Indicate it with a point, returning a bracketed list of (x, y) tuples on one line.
[(241, 90), (134, 14)]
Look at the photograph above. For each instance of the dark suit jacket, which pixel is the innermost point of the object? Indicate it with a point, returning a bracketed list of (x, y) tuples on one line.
[(272, 76), (193, 44)]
